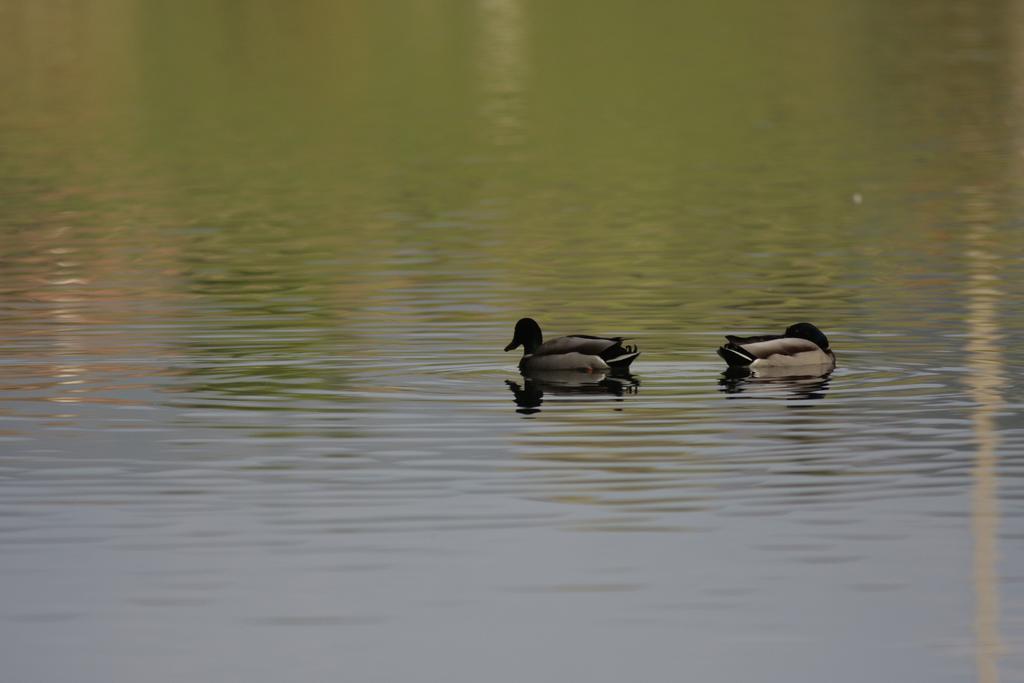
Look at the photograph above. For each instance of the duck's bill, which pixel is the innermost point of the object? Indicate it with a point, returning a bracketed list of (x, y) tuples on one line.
[(511, 345)]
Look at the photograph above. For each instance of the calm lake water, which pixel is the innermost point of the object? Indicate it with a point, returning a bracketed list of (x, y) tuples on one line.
[(258, 263)]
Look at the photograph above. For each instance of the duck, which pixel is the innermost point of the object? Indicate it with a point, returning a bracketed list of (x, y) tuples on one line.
[(801, 345), (580, 352)]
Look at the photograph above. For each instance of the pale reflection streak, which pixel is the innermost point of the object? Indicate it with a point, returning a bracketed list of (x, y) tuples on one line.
[(502, 67), (62, 287), (983, 383)]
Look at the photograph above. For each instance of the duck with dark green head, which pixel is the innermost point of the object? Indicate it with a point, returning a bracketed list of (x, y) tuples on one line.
[(800, 345), (580, 352)]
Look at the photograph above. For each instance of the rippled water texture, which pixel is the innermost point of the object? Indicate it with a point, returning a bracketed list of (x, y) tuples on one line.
[(258, 262)]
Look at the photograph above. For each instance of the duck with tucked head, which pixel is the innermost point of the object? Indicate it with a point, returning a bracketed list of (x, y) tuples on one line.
[(800, 345), (575, 352)]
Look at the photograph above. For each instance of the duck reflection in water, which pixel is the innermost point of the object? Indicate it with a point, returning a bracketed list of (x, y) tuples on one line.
[(806, 382), (530, 394)]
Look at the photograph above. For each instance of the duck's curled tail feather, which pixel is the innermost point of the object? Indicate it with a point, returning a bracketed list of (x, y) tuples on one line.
[(735, 355), (622, 362)]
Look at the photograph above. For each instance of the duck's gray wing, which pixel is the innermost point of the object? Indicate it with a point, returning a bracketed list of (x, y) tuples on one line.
[(579, 343), (786, 346)]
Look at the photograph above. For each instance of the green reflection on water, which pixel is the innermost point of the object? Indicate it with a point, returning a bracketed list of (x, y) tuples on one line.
[(583, 162)]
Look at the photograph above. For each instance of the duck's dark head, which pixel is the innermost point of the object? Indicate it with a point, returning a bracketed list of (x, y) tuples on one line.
[(809, 332), (528, 334)]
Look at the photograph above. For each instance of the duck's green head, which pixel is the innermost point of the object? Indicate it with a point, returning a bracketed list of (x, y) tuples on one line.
[(528, 334), (809, 332)]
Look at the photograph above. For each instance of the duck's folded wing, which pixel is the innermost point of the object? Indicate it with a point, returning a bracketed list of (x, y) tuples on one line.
[(583, 344), (733, 339), (767, 347)]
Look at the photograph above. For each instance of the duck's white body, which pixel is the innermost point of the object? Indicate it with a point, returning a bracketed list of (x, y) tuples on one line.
[(572, 360), (798, 360)]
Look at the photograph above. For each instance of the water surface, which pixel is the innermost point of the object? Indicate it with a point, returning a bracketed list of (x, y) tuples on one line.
[(259, 263)]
